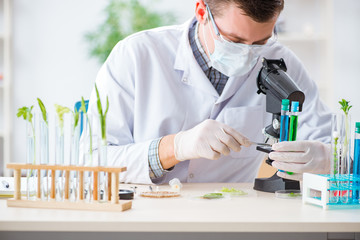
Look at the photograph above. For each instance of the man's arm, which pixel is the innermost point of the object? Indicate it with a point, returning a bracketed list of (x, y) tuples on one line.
[(166, 152)]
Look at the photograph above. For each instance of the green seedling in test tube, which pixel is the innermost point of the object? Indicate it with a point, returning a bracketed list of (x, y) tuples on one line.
[(346, 108), (26, 113), (102, 115), (43, 111), (60, 110), (76, 115)]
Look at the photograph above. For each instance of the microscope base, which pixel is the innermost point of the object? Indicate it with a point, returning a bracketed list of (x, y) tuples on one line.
[(275, 183)]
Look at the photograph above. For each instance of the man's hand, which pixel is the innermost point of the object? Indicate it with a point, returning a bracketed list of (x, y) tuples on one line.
[(299, 157), (208, 140)]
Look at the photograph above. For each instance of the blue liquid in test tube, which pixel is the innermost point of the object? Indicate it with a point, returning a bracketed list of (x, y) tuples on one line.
[(356, 172), (284, 124)]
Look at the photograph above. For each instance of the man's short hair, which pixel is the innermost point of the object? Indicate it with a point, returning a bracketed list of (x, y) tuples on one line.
[(258, 10)]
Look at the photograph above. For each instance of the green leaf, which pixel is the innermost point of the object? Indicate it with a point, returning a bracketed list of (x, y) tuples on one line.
[(43, 110), (107, 106), (83, 105), (345, 106), (25, 112), (98, 102), (60, 110), (213, 196), (76, 118)]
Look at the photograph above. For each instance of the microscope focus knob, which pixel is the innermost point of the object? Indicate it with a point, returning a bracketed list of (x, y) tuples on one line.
[(276, 124)]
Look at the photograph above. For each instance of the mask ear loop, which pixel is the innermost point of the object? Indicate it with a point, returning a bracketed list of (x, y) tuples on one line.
[(203, 30)]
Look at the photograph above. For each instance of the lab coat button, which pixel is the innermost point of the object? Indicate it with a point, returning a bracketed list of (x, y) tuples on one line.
[(191, 175), (185, 80)]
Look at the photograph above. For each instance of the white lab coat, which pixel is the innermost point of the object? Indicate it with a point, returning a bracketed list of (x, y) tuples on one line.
[(156, 88)]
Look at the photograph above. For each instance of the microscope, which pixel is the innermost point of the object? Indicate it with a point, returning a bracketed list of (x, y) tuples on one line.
[(276, 84)]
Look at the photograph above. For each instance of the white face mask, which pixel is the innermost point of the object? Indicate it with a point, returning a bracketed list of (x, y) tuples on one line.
[(232, 59)]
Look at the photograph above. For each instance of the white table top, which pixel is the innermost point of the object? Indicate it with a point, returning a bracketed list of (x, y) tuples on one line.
[(256, 212)]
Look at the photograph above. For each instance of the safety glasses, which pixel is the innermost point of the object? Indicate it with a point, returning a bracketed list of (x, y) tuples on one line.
[(270, 42)]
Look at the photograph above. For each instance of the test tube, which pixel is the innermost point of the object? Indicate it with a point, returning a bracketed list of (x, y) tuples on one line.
[(356, 164), (293, 120), (102, 161), (74, 159), (284, 126), (31, 156), (44, 157)]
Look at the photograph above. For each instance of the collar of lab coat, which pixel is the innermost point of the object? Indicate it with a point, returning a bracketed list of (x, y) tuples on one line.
[(194, 76)]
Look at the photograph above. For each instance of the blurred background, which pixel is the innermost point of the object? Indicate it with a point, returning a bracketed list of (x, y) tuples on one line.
[(53, 49)]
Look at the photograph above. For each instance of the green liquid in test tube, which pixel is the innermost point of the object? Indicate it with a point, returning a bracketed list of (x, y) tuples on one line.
[(293, 120), (293, 124)]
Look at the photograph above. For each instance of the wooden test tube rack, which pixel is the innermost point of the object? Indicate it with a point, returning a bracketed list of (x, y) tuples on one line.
[(113, 203)]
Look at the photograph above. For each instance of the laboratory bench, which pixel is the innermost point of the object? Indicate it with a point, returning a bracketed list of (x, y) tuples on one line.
[(257, 215)]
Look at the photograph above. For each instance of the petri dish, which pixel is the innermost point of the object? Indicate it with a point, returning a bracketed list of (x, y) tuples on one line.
[(288, 194)]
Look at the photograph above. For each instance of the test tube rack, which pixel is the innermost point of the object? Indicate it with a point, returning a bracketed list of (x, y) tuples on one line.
[(323, 184), (113, 203)]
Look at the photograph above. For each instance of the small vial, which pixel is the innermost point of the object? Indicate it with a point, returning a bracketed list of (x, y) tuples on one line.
[(284, 126), (293, 120), (356, 171)]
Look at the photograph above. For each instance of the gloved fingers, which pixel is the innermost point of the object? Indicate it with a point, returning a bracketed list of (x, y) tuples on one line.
[(237, 136), (219, 147), (298, 146), (229, 141), (205, 150), (295, 176), (213, 155), (289, 167), (295, 157)]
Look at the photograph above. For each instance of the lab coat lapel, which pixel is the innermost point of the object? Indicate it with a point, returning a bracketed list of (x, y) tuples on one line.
[(185, 61), (233, 85)]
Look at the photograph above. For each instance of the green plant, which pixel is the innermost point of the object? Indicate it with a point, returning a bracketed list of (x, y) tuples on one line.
[(123, 18), (346, 108), (212, 196), (76, 115), (102, 115), (43, 110), (26, 113), (60, 110)]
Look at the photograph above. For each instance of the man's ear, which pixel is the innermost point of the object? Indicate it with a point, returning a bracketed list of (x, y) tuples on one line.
[(200, 11)]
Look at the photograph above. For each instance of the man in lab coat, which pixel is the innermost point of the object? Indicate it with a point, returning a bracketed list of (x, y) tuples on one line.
[(183, 99)]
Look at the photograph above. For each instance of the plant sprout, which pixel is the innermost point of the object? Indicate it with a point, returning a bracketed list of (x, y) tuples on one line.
[(76, 118), (60, 110), (43, 110), (26, 113), (346, 108), (212, 196), (102, 115)]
